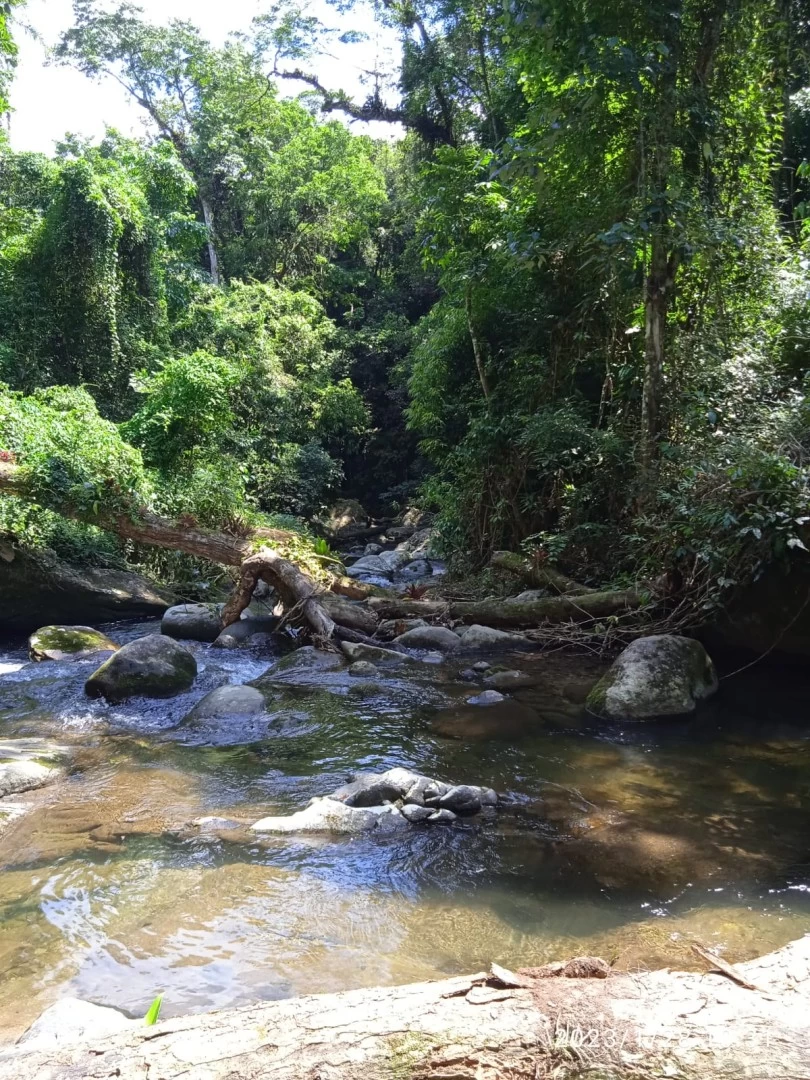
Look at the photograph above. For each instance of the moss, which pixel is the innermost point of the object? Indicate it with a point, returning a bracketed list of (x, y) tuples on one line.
[(68, 640), (408, 1053)]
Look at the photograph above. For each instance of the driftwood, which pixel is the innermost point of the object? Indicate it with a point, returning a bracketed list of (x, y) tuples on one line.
[(539, 575), (511, 613), (480, 1027)]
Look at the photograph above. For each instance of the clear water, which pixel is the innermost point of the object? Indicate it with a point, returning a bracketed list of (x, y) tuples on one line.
[(624, 842)]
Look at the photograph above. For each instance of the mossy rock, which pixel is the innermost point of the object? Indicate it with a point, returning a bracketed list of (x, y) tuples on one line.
[(66, 642), (153, 666), (657, 676)]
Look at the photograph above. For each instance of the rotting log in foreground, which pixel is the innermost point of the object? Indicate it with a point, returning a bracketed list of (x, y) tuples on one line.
[(623, 1027)]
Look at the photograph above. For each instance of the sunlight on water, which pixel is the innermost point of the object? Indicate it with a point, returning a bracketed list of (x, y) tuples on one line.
[(628, 844)]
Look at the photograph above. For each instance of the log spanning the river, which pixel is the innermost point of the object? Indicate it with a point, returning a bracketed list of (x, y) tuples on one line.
[(516, 613), (539, 575), (751, 1022), (252, 553)]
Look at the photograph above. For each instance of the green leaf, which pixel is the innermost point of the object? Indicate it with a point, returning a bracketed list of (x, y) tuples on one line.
[(152, 1015)]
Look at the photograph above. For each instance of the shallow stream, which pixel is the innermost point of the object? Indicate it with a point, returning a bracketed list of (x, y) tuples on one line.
[(626, 842)]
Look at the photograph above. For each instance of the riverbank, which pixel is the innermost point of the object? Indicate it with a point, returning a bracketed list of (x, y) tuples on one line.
[(752, 1021)]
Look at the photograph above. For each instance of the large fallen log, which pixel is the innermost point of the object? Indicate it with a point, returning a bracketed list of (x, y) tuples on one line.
[(539, 574), (514, 613), (250, 552), (622, 1027)]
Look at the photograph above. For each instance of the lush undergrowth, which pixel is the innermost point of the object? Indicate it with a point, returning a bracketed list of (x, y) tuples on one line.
[(569, 312)]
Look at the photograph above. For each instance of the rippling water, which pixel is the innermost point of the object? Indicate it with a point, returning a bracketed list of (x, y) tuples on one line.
[(629, 843)]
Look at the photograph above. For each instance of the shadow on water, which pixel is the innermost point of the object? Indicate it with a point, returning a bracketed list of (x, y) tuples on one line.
[(625, 841)]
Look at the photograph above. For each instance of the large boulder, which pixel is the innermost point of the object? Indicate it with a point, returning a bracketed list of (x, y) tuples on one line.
[(429, 637), (655, 676), (192, 622), (35, 590), (346, 518), (67, 643), (152, 666)]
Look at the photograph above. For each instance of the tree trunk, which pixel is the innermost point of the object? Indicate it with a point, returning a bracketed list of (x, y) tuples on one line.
[(298, 592), (213, 260), (511, 614), (625, 1027), (478, 348)]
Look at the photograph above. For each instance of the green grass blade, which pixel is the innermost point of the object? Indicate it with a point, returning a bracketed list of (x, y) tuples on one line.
[(154, 1011)]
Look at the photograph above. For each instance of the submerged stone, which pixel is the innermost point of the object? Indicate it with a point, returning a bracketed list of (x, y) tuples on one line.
[(67, 642), (486, 697), (656, 676), (22, 775), (153, 666), (363, 669), (228, 701), (509, 680), (242, 631)]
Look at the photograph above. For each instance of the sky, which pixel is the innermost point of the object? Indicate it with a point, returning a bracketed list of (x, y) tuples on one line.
[(48, 101)]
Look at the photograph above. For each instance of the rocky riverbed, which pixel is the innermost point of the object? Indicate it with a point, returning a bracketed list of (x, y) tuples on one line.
[(135, 866)]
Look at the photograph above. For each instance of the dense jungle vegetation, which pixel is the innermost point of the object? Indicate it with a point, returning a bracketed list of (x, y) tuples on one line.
[(569, 311)]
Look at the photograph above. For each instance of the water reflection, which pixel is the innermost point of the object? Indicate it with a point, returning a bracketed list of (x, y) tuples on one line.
[(624, 842)]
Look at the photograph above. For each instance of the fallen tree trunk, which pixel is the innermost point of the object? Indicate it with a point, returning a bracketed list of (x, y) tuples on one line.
[(512, 613), (625, 1027), (541, 575), (298, 592)]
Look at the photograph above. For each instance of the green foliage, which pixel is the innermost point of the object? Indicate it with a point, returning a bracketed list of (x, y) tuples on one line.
[(71, 458)]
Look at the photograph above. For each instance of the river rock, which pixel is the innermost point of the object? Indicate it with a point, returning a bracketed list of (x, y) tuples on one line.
[(39, 589), (394, 560), (429, 637), (307, 658), (487, 637), (369, 566), (461, 799), (391, 628), (152, 666), (509, 680), (372, 549), (359, 651), (194, 622), (363, 669), (228, 701), (328, 815), (481, 666), (414, 813), (73, 1020), (419, 568), (243, 630), (375, 789), (346, 518), (67, 642), (655, 676), (442, 817), (486, 697)]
